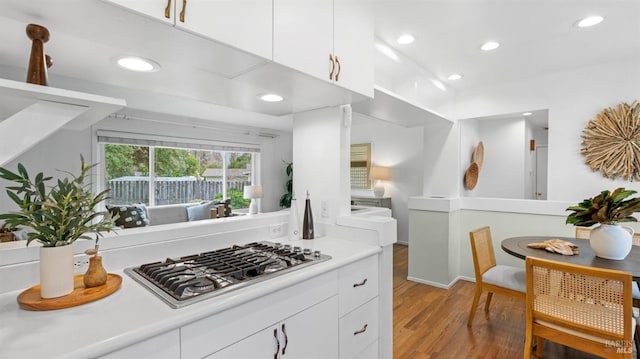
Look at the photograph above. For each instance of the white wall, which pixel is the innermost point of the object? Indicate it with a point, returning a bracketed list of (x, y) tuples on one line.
[(399, 148), (573, 98), (321, 157), (503, 170)]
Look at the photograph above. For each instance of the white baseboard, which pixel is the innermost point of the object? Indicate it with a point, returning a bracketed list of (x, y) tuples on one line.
[(440, 285)]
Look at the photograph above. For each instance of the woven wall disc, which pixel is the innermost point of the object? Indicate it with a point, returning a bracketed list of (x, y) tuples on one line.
[(471, 176), (478, 155), (611, 142)]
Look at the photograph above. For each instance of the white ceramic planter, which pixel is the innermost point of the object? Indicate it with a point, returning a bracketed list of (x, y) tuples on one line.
[(611, 241), (56, 271)]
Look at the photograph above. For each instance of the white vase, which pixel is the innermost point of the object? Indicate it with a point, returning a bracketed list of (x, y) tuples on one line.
[(611, 241), (56, 271)]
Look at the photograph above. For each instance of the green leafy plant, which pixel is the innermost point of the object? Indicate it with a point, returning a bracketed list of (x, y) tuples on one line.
[(285, 199), (607, 208), (59, 216)]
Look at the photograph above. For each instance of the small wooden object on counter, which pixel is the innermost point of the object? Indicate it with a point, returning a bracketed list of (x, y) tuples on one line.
[(96, 275), (30, 299), (38, 61), (6, 233)]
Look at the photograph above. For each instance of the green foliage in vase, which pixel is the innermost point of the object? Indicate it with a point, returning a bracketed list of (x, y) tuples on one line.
[(606, 208), (285, 199), (57, 215)]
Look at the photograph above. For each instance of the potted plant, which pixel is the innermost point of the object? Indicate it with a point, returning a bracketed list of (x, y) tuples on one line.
[(609, 239), (56, 216)]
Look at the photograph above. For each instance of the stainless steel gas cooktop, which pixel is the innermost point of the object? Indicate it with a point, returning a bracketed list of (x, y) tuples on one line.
[(190, 279)]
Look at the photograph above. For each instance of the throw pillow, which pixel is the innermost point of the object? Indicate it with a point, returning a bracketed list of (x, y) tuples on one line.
[(130, 216), (200, 211)]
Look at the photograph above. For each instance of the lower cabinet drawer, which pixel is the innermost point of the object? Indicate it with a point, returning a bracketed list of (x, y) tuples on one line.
[(357, 283), (359, 329), (369, 352)]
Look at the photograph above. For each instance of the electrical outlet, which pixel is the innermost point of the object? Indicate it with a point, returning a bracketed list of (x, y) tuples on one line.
[(276, 230), (324, 209), (80, 263)]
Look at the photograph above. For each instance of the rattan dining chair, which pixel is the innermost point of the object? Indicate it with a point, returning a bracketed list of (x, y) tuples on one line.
[(585, 308), (490, 277)]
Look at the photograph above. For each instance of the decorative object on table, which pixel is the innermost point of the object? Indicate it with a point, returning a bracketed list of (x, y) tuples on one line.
[(473, 171), (294, 223), (38, 61), (285, 200), (557, 246), (31, 299), (379, 174), (609, 239), (96, 275), (611, 142), (307, 224), (56, 218), (253, 192), (7, 234)]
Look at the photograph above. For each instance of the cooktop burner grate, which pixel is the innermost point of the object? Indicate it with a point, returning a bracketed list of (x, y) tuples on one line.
[(189, 279)]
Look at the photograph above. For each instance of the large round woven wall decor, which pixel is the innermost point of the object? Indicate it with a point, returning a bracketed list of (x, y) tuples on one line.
[(611, 142)]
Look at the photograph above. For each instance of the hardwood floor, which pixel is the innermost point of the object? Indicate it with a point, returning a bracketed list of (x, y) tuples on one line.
[(431, 322)]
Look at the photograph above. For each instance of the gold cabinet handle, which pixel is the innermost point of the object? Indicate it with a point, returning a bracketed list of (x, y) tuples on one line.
[(333, 66), (167, 10), (184, 7), (361, 283), (364, 329), (339, 67)]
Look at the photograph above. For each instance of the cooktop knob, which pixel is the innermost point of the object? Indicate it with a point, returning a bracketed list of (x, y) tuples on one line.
[(297, 249), (307, 251), (287, 247), (316, 253), (278, 244)]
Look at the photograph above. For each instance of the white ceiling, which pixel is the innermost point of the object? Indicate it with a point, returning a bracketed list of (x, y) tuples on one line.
[(537, 37)]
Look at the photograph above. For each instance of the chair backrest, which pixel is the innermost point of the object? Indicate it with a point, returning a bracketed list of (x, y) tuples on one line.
[(482, 249), (583, 232), (589, 300)]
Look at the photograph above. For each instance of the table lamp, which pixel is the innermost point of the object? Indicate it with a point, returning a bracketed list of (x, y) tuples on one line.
[(253, 193), (379, 174)]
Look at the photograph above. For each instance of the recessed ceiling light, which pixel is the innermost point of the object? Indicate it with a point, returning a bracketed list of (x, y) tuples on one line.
[(527, 114), (489, 45), (590, 21), (405, 39), (139, 64), (454, 77), (271, 97), (439, 85)]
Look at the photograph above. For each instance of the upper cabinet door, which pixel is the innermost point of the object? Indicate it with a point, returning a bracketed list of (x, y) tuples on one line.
[(353, 42), (303, 35), (243, 24), (159, 9)]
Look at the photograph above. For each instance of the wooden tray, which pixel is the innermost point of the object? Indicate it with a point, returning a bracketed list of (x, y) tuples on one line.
[(30, 299)]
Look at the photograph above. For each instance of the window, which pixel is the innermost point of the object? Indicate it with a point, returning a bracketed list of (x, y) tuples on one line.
[(180, 172), (360, 165)]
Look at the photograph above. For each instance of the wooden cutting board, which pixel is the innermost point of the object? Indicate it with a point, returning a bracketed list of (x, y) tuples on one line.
[(30, 299)]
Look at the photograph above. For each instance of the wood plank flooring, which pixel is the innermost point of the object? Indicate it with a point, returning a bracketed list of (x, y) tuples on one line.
[(431, 322)]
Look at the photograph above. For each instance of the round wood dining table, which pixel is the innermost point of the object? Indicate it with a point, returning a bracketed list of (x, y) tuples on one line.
[(517, 246)]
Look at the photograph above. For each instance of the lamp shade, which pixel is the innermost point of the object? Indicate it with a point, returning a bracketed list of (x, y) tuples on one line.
[(253, 192), (380, 173)]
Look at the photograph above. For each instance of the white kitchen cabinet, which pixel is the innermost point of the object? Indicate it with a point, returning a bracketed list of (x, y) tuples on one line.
[(308, 334), (358, 286), (329, 39), (163, 346), (243, 24)]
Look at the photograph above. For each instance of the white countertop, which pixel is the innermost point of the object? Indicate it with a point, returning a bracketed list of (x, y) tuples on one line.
[(133, 313)]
